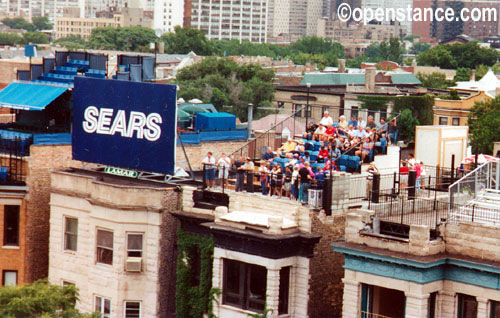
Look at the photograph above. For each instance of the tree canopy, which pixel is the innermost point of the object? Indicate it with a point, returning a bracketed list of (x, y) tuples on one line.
[(40, 299), (484, 125), (185, 40), (39, 24), (435, 80), (386, 51), (135, 38), (224, 83), (457, 55), (7, 38)]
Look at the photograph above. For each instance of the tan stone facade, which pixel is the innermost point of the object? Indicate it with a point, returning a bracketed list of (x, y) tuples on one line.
[(456, 112), (124, 209)]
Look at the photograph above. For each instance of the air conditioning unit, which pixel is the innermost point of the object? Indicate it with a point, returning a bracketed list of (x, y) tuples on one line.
[(133, 264)]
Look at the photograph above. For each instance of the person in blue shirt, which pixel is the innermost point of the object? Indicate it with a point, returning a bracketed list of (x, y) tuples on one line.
[(269, 155), (353, 122)]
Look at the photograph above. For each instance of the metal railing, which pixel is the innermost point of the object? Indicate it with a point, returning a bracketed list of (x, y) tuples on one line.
[(486, 176), (367, 314)]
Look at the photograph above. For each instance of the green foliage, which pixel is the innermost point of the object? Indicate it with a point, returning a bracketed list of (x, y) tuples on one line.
[(42, 23), (462, 75), (10, 38), (35, 38), (40, 299), (484, 125), (406, 125), (73, 42), (263, 314), (194, 295), (18, 23), (457, 55), (135, 38), (435, 80), (481, 70), (185, 40), (386, 51), (356, 62), (453, 96), (222, 82), (419, 47), (417, 107)]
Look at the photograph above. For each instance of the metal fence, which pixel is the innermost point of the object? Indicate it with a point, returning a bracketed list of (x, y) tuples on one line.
[(486, 176)]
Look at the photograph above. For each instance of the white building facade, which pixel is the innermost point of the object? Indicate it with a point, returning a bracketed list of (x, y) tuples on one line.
[(167, 15)]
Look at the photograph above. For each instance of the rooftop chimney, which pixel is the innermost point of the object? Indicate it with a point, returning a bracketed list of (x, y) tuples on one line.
[(341, 68), (472, 75), (370, 73)]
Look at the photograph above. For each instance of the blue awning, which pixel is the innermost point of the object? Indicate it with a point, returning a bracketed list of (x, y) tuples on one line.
[(29, 96)]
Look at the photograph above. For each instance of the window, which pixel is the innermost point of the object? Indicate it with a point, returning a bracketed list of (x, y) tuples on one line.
[(11, 225), (104, 247), (70, 233), (244, 285), (9, 278), (455, 121), (134, 244), (284, 290), (66, 283), (495, 309), (297, 110), (132, 309), (467, 306), (443, 120), (103, 306), (431, 308)]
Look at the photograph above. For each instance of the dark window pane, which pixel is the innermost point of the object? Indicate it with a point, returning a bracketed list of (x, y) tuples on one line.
[(132, 309), (284, 290), (11, 225), (495, 309), (104, 256), (70, 234)]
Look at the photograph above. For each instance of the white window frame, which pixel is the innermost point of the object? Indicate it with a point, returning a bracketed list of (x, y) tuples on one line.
[(97, 246), (64, 234), (102, 300), (132, 301), (131, 250)]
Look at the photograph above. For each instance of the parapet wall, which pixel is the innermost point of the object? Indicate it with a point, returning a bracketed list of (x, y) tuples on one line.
[(474, 240)]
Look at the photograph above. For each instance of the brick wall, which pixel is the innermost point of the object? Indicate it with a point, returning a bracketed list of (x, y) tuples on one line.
[(42, 161), (326, 288), (168, 256), (196, 153), (9, 68)]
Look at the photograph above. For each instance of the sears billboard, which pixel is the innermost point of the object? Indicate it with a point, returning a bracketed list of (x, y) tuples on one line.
[(125, 124)]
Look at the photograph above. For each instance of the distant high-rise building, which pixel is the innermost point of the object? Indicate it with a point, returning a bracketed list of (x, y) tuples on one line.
[(393, 4), (228, 20), (167, 15)]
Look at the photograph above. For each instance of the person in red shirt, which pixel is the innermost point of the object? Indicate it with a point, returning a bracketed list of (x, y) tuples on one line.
[(403, 176), (330, 130), (323, 154)]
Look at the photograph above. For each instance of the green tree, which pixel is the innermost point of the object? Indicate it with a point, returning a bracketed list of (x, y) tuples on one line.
[(73, 42), (481, 70), (223, 82), (18, 23), (419, 47), (185, 40), (135, 38), (406, 125), (35, 38), (438, 56), (41, 23), (462, 75), (434, 80), (10, 38), (484, 125), (40, 299), (456, 55)]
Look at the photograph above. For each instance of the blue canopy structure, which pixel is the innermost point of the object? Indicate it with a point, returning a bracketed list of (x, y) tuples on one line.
[(29, 96)]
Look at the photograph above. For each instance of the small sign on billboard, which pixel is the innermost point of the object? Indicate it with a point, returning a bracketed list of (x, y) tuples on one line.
[(125, 124)]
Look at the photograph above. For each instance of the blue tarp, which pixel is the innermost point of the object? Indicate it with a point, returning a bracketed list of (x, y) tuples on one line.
[(213, 121), (52, 139), (218, 135), (29, 96)]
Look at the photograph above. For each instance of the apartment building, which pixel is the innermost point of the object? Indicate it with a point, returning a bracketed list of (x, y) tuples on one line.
[(391, 4), (82, 27), (242, 20), (167, 15), (112, 238)]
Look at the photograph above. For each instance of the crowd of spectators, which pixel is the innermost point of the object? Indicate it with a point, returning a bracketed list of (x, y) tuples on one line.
[(290, 170)]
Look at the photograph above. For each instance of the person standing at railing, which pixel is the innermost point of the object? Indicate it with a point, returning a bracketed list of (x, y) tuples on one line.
[(288, 181), (249, 167), (372, 170), (209, 166), (393, 128), (269, 155), (240, 174), (295, 183), (224, 164), (263, 177), (418, 170), (423, 175), (305, 182)]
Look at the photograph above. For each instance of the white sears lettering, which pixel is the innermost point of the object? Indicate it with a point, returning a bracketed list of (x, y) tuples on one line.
[(90, 123), (103, 122)]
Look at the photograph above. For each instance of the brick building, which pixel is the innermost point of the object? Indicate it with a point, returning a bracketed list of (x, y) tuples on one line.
[(113, 238)]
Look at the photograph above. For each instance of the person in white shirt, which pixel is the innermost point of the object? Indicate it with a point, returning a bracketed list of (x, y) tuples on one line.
[(361, 122), (224, 164), (209, 166), (360, 132), (326, 120)]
